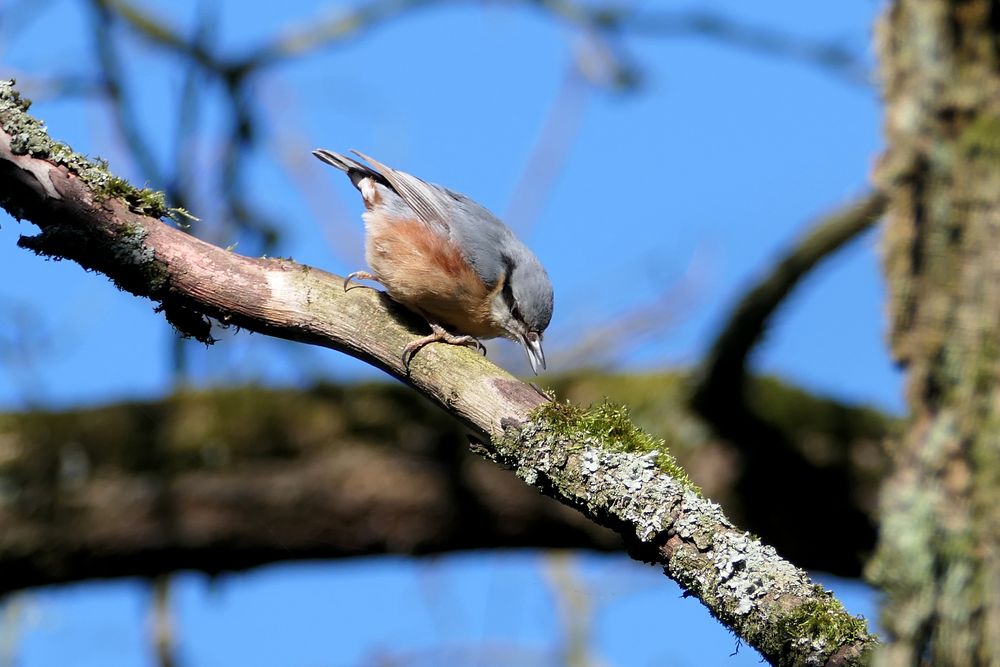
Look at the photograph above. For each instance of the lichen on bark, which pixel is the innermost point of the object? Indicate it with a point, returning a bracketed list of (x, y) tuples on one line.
[(29, 137), (939, 553), (769, 602), (612, 424)]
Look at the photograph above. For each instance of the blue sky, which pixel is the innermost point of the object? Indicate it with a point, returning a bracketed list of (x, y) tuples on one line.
[(692, 185), (479, 609), (689, 186)]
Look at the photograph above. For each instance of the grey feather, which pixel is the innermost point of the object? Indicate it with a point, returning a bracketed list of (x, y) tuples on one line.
[(495, 252), (355, 170), (424, 198), (486, 242)]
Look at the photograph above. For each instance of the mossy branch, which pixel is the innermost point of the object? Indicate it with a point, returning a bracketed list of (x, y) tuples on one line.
[(768, 602)]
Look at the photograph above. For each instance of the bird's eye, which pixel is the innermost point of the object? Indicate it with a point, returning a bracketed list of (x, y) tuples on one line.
[(532, 337), (508, 295)]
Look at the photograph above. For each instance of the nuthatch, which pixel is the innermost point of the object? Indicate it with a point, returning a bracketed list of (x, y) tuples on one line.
[(446, 257)]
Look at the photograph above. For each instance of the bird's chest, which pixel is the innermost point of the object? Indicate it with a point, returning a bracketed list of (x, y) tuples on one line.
[(424, 271)]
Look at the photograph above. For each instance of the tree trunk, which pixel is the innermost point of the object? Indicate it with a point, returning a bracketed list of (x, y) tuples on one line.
[(939, 557)]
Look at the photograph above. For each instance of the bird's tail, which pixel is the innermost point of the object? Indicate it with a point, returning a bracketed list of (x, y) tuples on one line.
[(354, 169)]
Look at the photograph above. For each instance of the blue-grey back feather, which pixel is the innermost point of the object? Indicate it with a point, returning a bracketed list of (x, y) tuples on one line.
[(486, 242)]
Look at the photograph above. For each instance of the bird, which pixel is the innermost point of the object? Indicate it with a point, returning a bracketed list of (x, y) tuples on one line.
[(444, 256)]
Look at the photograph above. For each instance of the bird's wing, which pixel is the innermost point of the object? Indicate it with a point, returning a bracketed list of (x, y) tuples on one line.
[(478, 234), (425, 200)]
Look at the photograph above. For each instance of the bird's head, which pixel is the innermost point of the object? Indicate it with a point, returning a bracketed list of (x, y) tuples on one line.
[(522, 307)]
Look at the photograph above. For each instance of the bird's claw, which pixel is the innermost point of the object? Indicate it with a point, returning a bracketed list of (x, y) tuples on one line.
[(408, 353), (440, 335), (360, 275)]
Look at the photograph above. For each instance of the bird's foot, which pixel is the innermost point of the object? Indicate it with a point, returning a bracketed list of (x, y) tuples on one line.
[(359, 275), (440, 335)]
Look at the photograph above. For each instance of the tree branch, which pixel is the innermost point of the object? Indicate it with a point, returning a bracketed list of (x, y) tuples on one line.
[(736, 408), (235, 477), (113, 79), (607, 19), (720, 382), (229, 479), (587, 460)]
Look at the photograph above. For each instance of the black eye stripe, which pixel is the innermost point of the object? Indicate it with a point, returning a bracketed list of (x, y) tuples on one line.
[(507, 290), (511, 303)]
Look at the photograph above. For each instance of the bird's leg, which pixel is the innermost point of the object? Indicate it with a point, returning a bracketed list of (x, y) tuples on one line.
[(440, 335), (360, 275)]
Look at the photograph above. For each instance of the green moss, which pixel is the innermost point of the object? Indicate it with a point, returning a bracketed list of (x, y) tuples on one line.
[(823, 619), (145, 201), (28, 137), (981, 138), (655, 401), (984, 367), (612, 425)]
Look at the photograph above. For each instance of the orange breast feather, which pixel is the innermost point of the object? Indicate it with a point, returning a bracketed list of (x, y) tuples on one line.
[(424, 271)]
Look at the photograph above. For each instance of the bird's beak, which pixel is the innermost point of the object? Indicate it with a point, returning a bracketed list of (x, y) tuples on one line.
[(533, 346)]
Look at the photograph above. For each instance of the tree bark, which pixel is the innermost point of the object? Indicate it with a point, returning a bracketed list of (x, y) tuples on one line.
[(939, 556), (595, 460), (230, 478)]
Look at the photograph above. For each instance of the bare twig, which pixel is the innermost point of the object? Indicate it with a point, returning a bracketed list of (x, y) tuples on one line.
[(576, 610), (720, 380), (158, 31), (114, 85), (605, 343), (828, 56), (162, 632), (348, 23), (242, 133), (554, 142), (603, 19), (180, 189)]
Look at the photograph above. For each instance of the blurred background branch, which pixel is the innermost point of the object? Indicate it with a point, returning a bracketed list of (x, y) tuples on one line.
[(255, 475), (720, 383)]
